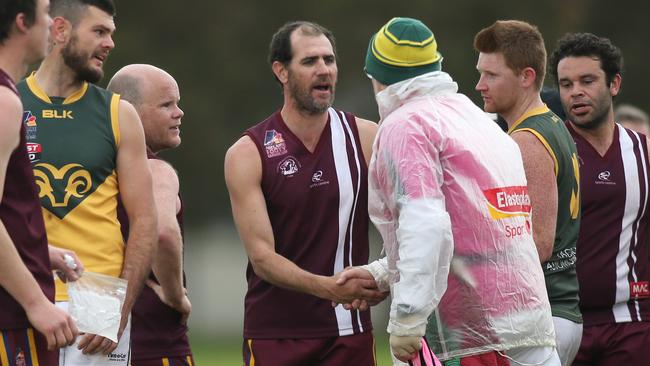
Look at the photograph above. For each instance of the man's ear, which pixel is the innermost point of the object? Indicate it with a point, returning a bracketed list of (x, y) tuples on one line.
[(280, 71), (21, 23), (615, 85), (528, 76), (61, 30)]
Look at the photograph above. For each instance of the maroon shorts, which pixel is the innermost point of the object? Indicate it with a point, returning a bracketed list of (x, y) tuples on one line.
[(26, 347), (353, 350), (165, 361), (614, 344)]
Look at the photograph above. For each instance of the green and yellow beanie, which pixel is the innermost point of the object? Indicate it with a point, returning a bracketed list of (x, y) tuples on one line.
[(402, 49)]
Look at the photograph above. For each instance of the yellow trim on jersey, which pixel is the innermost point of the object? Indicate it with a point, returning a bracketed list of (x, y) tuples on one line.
[(250, 348), (4, 359), (189, 361), (546, 145), (165, 361), (76, 95), (533, 112), (38, 92), (374, 351), (32, 347), (115, 121), (92, 230), (575, 197)]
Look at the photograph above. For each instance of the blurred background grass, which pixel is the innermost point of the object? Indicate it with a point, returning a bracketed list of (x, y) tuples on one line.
[(227, 351)]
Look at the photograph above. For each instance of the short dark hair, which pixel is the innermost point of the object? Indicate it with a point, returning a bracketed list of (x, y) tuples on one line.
[(589, 45), (72, 9), (8, 12), (521, 44), (280, 46)]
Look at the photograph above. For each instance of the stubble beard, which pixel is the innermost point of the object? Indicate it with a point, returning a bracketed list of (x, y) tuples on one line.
[(78, 62), (305, 102), (599, 118)]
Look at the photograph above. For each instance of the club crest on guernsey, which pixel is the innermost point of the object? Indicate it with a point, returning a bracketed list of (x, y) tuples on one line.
[(289, 166), (274, 144)]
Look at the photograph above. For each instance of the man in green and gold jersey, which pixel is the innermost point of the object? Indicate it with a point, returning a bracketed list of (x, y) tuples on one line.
[(512, 63), (86, 146)]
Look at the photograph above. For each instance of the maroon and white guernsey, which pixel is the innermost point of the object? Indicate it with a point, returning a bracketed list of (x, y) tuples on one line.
[(317, 203), (612, 253)]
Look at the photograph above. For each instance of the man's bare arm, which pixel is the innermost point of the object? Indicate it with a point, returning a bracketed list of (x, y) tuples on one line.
[(243, 171), (168, 261), (136, 192), (542, 189)]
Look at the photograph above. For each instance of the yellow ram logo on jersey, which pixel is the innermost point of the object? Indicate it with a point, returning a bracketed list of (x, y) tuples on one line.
[(77, 185)]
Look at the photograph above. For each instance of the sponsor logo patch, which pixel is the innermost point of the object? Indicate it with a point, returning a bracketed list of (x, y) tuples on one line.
[(30, 125), (605, 177), (57, 114), (504, 202), (274, 144), (318, 179), (20, 358), (639, 290), (289, 166), (34, 152)]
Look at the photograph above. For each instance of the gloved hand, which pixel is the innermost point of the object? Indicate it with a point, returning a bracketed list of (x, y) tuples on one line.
[(405, 347)]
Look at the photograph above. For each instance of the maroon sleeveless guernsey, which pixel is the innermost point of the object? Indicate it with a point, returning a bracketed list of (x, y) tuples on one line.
[(318, 206), (156, 329), (612, 254), (20, 212)]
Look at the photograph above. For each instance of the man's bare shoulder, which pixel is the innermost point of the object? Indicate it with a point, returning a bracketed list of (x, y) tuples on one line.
[(242, 149), (162, 169), (12, 110), (367, 126)]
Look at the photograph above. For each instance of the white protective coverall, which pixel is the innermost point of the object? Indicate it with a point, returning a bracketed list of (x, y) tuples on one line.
[(446, 182)]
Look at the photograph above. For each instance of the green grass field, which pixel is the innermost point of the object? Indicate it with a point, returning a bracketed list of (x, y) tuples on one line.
[(227, 352)]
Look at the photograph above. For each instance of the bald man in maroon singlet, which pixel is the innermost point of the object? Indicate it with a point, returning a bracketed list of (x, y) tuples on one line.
[(613, 263), (159, 330), (299, 193), (26, 284)]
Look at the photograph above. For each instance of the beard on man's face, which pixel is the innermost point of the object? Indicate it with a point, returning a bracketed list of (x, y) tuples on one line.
[(79, 61)]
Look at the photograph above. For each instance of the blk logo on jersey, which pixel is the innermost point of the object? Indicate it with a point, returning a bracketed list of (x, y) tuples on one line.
[(605, 177), (274, 144), (34, 152), (318, 179), (30, 125), (639, 290), (289, 166), (57, 114)]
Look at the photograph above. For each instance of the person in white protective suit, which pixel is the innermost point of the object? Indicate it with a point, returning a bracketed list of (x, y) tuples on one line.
[(448, 194)]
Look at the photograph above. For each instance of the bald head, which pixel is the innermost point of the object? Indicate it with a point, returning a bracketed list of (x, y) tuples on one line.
[(154, 94), (134, 81)]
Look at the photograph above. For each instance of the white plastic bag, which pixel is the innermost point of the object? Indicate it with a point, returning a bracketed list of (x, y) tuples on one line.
[(96, 303)]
